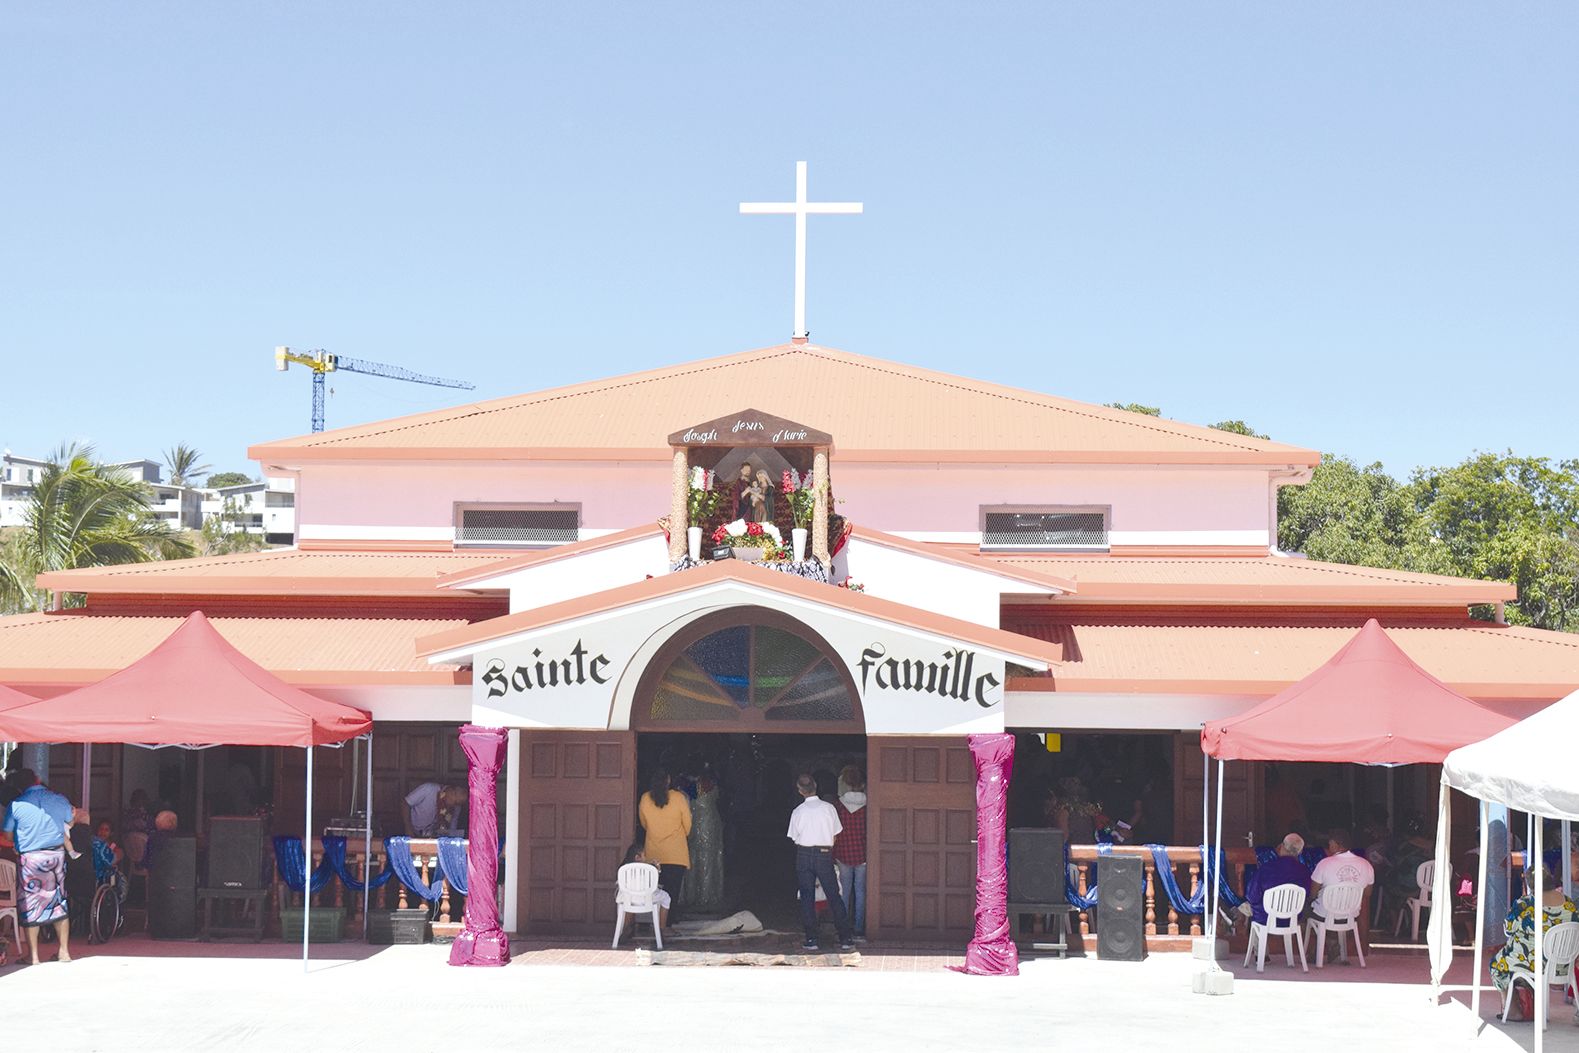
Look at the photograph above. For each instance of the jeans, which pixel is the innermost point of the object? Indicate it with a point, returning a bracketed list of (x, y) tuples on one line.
[(852, 886), (814, 866)]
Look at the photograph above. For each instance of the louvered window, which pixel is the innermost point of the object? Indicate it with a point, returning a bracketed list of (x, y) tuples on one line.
[(520, 525), (1045, 528)]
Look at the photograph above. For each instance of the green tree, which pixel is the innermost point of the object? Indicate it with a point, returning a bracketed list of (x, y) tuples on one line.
[(1135, 407), (182, 460), (1238, 427), (219, 479), (1346, 514), (82, 514), (224, 533)]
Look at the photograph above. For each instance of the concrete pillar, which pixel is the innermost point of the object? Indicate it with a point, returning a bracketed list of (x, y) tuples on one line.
[(991, 951), (481, 940), (679, 506), (820, 511), (35, 755)]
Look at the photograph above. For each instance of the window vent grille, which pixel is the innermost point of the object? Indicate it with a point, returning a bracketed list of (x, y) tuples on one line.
[(1045, 529), (517, 526)]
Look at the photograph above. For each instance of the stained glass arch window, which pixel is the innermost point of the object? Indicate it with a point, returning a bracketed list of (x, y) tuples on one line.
[(750, 669)]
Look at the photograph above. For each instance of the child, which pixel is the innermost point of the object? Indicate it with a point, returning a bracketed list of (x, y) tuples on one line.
[(635, 854), (107, 854)]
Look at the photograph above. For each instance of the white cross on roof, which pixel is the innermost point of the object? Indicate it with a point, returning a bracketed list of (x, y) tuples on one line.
[(800, 208)]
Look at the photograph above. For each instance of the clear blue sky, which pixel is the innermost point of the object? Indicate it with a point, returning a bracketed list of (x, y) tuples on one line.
[(1355, 226)]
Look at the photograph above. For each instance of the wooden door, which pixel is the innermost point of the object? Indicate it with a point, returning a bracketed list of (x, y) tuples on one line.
[(578, 801), (921, 850), (104, 789), (1241, 795)]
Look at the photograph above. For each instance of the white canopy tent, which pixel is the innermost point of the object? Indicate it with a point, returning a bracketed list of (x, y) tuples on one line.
[(1528, 768)]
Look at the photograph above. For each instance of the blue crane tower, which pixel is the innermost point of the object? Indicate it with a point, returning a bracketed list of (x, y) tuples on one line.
[(323, 363)]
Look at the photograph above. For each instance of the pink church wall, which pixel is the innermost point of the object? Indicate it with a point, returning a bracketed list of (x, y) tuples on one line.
[(1150, 505)]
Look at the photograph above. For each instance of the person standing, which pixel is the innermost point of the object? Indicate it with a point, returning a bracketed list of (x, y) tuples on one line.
[(37, 820), (849, 848), (813, 826), (81, 881), (665, 816), (433, 810)]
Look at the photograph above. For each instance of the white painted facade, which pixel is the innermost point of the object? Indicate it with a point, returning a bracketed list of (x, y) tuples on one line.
[(267, 508)]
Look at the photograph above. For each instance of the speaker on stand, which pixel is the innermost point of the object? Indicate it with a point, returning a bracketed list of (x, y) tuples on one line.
[(1121, 910), (1036, 881)]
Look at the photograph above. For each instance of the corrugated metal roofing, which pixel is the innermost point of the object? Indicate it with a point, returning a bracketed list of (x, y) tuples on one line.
[(873, 408), (1479, 659), (1271, 578), (277, 572), (77, 647)]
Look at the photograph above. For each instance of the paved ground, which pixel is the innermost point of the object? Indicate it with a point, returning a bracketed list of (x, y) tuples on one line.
[(137, 995)]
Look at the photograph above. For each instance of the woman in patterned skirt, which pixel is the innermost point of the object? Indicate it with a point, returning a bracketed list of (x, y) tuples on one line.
[(1556, 908)]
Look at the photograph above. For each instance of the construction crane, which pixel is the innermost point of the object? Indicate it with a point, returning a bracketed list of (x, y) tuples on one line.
[(323, 363)]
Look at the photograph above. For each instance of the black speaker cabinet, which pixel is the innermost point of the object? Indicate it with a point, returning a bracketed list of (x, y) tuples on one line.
[(236, 853), (1036, 867), (172, 888), (1121, 910)]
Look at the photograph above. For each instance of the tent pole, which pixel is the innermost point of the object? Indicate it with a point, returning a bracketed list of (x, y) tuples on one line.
[(1207, 859), (1543, 993), (87, 774), (367, 846), (1480, 914), (307, 851), (1568, 858), (1217, 885)]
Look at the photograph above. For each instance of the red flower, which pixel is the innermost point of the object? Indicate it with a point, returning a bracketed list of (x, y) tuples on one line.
[(789, 484), (753, 529), (720, 534)]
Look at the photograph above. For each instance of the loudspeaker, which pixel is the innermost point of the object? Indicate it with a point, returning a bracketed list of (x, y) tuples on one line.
[(1121, 910), (235, 852), (172, 888), (1036, 867)]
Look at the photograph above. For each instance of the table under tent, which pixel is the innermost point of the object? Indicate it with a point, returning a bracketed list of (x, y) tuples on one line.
[(1368, 704), (192, 691), (1529, 768)]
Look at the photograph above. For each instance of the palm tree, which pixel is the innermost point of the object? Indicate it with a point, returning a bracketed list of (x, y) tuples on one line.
[(82, 514), (182, 460)]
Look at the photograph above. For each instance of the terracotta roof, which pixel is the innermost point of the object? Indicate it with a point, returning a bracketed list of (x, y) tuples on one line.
[(76, 647), (875, 409), (1141, 579), (503, 565), (283, 572), (744, 573), (1478, 659)]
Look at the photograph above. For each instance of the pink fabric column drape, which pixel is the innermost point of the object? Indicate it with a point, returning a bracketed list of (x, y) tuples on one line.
[(481, 940), (992, 952)]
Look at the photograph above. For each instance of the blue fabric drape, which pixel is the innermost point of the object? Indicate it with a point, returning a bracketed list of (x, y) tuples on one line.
[(291, 862), (334, 848), (452, 862), (1312, 855), (1071, 885), (1180, 903), (1225, 891), (398, 852)]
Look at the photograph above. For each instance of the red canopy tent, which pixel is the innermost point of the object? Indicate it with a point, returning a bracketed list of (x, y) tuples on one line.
[(194, 689), (1368, 704)]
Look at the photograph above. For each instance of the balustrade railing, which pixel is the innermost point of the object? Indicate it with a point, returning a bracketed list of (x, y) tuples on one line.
[(392, 895), (1162, 920)]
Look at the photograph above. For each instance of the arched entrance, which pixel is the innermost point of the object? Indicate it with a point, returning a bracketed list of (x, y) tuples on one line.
[(746, 670)]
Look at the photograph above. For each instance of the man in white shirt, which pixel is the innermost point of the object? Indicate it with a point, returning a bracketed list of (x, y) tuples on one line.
[(812, 827), (1341, 866)]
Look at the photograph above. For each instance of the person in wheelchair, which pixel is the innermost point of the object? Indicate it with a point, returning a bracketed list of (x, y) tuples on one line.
[(107, 913)]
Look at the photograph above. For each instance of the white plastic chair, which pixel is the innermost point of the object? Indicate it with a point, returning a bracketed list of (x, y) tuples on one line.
[(1337, 910), (8, 901), (1425, 875), (1282, 904), (637, 895), (1559, 948)]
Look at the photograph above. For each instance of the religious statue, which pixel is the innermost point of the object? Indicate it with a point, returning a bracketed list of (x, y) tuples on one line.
[(761, 493), (740, 493)]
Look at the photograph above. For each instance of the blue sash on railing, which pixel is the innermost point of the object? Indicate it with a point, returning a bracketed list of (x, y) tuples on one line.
[(291, 862), (334, 847), (1226, 892), (398, 851), (1180, 903), (1072, 873), (452, 862)]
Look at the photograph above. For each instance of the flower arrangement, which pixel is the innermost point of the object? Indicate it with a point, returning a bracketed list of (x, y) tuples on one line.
[(741, 534), (702, 500), (800, 495), (853, 586)]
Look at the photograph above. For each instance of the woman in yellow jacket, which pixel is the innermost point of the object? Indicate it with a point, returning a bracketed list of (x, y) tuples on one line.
[(666, 819)]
